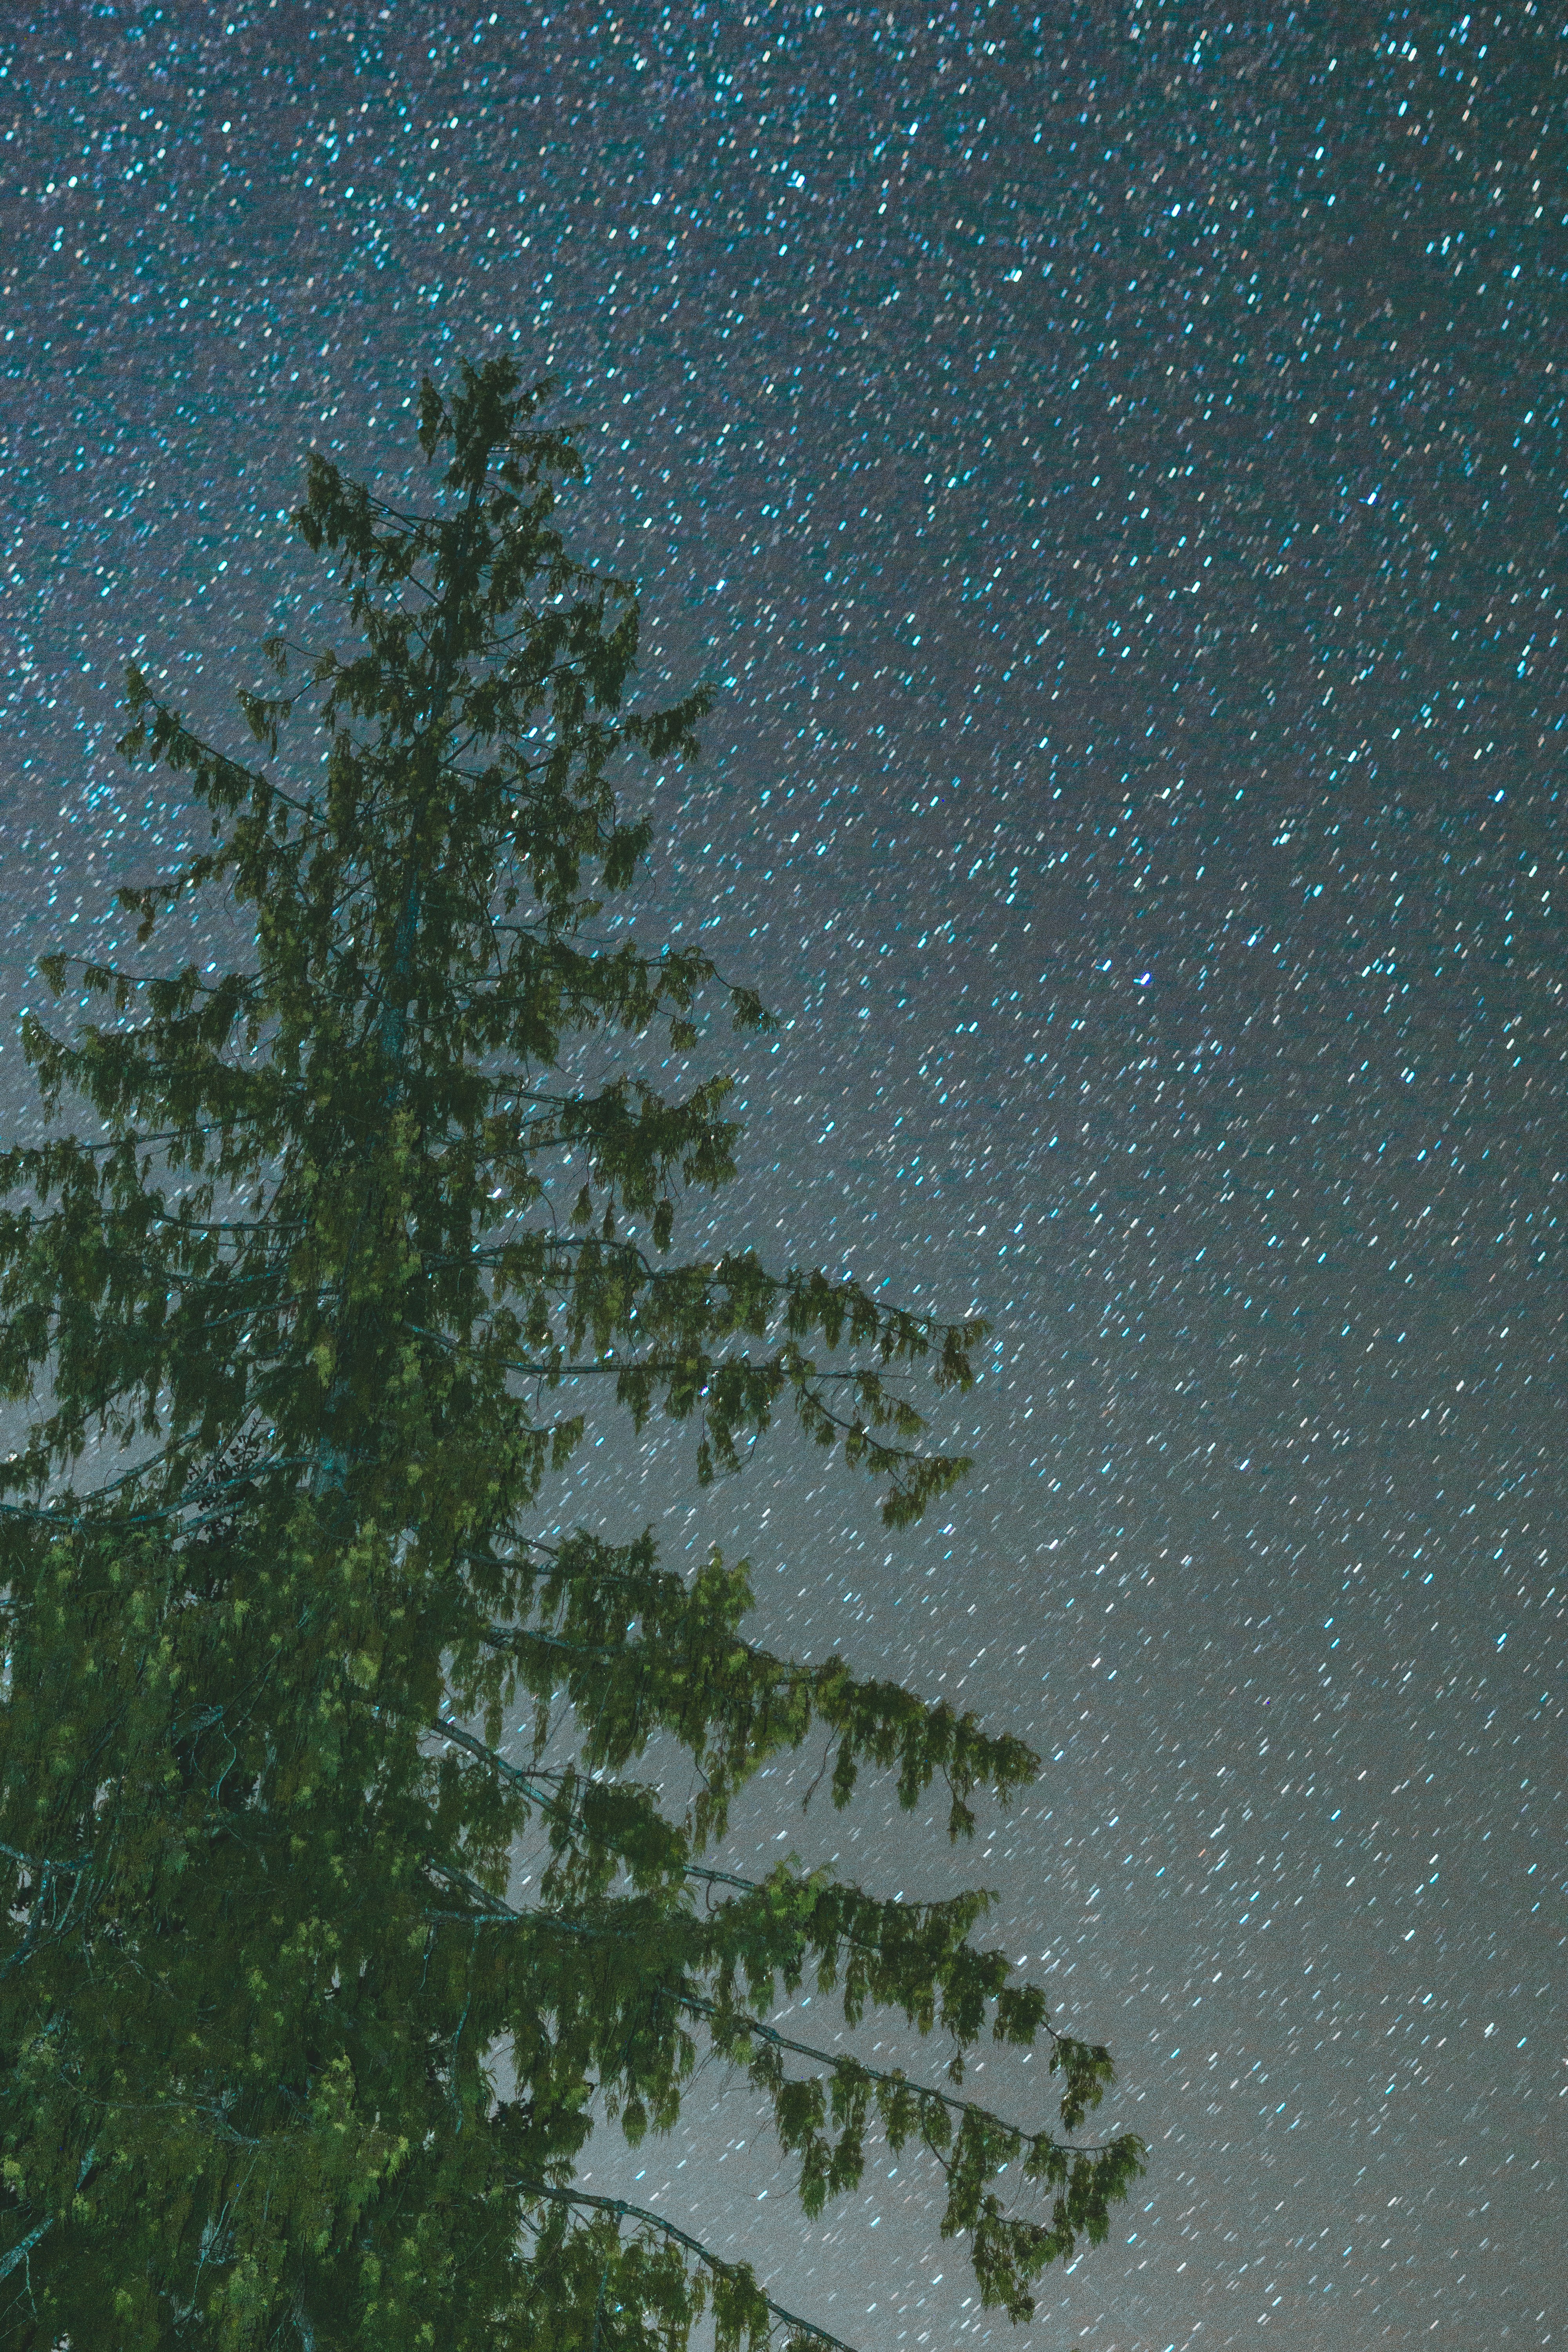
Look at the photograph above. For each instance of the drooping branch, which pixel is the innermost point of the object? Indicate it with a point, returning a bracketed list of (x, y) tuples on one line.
[(806, 2331), (736, 2026)]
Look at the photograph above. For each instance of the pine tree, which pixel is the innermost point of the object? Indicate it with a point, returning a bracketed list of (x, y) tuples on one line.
[(287, 2059)]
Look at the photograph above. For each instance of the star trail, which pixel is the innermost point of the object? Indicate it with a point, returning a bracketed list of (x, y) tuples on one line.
[(1109, 460)]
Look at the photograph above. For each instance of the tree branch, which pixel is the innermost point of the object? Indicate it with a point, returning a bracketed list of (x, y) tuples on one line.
[(716, 2262)]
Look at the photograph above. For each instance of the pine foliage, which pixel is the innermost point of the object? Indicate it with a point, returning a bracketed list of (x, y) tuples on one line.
[(300, 1333)]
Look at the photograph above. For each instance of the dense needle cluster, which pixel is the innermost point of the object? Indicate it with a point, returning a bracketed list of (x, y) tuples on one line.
[(285, 2059)]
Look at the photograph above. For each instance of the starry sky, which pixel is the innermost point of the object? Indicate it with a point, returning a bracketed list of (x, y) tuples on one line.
[(1110, 460)]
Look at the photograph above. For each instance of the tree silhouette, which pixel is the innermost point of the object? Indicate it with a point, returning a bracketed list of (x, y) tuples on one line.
[(263, 1967)]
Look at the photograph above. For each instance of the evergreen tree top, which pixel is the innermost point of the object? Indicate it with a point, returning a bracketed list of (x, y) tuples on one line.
[(289, 2053)]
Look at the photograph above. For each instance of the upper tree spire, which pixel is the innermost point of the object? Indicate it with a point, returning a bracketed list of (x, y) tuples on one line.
[(287, 2054)]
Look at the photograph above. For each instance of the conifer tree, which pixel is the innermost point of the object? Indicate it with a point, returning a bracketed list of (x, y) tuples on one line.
[(288, 2058)]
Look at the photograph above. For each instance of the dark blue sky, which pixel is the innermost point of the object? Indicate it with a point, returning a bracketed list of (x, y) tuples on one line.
[(1111, 459)]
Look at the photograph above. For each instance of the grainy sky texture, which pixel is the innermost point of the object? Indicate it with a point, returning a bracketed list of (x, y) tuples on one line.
[(1111, 458)]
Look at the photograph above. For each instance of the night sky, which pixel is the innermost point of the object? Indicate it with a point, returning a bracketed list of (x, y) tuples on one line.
[(1110, 460)]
